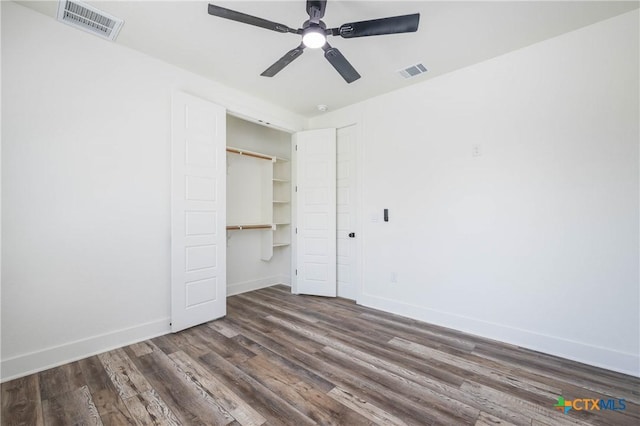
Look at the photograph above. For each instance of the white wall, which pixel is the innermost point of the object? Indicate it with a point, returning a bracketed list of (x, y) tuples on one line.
[(245, 269), (86, 189), (535, 242)]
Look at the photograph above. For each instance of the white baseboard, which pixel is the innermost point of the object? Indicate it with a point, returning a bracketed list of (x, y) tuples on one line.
[(285, 280), (245, 286), (23, 365), (609, 359), (34, 362)]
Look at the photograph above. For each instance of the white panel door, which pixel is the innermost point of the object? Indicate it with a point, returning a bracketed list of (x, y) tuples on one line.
[(316, 212), (346, 212), (198, 211)]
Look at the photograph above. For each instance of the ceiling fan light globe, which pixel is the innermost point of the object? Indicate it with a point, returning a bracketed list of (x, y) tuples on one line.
[(314, 39)]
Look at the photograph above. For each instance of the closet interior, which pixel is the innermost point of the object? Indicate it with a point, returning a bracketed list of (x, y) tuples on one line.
[(258, 206)]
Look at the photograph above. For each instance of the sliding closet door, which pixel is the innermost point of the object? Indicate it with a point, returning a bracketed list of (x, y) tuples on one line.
[(316, 212), (198, 211)]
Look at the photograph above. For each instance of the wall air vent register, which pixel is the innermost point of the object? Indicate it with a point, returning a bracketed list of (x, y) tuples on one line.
[(413, 71)]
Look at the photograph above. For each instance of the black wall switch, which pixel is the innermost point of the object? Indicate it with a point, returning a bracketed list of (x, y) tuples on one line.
[(386, 215)]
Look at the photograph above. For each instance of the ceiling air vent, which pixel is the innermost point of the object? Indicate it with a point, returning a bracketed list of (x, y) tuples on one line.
[(413, 70), (88, 18)]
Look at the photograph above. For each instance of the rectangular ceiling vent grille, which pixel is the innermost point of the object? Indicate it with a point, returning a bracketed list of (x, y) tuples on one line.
[(88, 18), (413, 71)]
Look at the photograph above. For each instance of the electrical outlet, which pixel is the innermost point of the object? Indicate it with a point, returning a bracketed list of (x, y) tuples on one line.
[(476, 150)]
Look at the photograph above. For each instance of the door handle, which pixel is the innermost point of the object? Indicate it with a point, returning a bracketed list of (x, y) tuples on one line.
[(352, 235)]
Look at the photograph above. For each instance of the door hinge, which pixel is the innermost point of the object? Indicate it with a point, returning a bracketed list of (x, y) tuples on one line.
[(296, 230), (296, 272), (296, 147), (296, 188)]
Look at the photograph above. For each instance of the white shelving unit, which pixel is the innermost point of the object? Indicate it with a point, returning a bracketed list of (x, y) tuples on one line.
[(263, 201), (281, 202)]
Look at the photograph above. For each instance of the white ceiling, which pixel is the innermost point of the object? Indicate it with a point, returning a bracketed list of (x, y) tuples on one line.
[(452, 35)]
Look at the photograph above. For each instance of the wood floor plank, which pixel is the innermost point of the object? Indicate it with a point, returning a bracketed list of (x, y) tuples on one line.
[(276, 410), (486, 419), (542, 389), (439, 407), (220, 344), (384, 350), (225, 397), (224, 328), (123, 373), (276, 305), (59, 380), (72, 408), (166, 344), (141, 348), (21, 402), (148, 408), (282, 359), (188, 342), (106, 398), (368, 410), (384, 391), (415, 331), (186, 400), (258, 309), (309, 400)]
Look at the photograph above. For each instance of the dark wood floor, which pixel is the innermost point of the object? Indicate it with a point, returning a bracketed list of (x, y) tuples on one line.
[(283, 359)]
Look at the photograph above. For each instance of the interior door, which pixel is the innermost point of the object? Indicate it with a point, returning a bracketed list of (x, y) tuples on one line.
[(347, 269), (198, 211), (316, 212)]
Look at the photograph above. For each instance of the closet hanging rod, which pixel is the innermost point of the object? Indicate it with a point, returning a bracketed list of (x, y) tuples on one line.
[(250, 154), (243, 227)]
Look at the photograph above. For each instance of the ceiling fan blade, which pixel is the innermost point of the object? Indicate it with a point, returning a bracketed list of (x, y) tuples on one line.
[(340, 63), (315, 9), (288, 57), (392, 25), (248, 19)]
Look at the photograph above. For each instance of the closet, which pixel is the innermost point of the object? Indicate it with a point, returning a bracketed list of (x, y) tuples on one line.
[(258, 203), (261, 208), (248, 211)]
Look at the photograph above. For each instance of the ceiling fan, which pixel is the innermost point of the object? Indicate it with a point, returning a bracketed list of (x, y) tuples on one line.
[(314, 34)]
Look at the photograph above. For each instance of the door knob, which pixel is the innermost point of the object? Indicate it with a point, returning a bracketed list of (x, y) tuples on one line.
[(352, 235)]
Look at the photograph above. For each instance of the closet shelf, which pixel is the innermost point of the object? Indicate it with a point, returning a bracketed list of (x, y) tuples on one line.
[(250, 154), (280, 202), (244, 227)]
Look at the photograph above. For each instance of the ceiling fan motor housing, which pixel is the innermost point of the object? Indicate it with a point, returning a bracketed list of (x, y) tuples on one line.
[(311, 24)]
